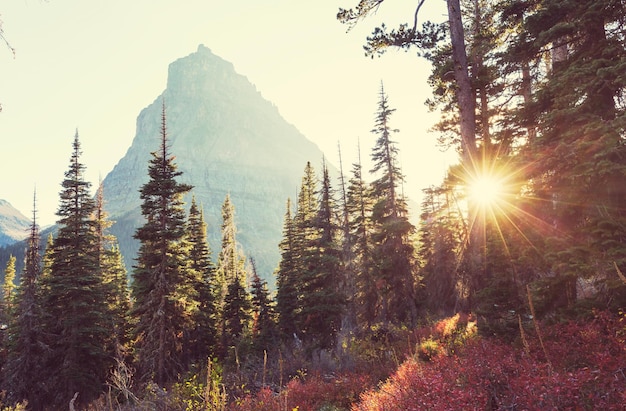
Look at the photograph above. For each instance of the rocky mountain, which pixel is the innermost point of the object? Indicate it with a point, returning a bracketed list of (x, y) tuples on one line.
[(227, 139), (13, 224)]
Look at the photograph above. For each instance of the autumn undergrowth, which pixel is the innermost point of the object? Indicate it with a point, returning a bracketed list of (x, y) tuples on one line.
[(450, 367), (445, 365)]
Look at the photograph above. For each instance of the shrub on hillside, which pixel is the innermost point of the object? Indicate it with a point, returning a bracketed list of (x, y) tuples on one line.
[(312, 393), (584, 370)]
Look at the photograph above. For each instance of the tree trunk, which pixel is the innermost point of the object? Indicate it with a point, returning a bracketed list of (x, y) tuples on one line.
[(465, 96), (466, 101)]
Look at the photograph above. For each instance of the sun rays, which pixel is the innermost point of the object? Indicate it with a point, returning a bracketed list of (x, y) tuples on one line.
[(493, 193), (486, 190)]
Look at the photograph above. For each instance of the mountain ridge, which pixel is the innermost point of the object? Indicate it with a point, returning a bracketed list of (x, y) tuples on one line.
[(227, 140)]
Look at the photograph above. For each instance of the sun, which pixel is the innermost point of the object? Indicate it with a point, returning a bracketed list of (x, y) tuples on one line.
[(486, 190)]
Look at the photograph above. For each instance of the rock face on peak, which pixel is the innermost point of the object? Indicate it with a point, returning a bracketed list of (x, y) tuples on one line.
[(13, 224), (227, 139)]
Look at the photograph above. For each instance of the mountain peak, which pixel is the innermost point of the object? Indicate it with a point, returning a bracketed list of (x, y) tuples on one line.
[(203, 49), (203, 72), (227, 139), (13, 224)]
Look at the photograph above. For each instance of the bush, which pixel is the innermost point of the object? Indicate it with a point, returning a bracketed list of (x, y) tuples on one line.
[(313, 393), (429, 349), (584, 370)]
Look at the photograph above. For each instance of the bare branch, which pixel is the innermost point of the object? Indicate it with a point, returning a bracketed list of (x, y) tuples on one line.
[(419, 6), (4, 39)]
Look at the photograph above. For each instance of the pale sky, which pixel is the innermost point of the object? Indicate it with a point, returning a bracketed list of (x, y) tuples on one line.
[(92, 65)]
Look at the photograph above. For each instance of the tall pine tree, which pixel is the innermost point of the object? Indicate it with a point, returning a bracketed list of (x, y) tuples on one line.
[(235, 304), (287, 285), (366, 301), (264, 330), (203, 277), (322, 300), (74, 298), (113, 273), (393, 250), (24, 366), (305, 236), (161, 307)]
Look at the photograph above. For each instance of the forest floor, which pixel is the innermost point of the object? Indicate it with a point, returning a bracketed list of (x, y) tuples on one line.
[(447, 365)]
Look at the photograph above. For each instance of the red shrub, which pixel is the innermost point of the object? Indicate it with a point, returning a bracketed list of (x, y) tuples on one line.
[(308, 395), (586, 371)]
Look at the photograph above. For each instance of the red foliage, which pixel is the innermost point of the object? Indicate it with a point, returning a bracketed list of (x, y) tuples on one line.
[(585, 371), (308, 395)]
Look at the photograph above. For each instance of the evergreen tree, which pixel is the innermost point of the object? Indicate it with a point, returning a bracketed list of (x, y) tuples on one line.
[(577, 153), (74, 298), (237, 312), (465, 70), (118, 298), (322, 298), (8, 290), (230, 260), (306, 235), (23, 370), (366, 301), (160, 277), (441, 239), (287, 285), (350, 269), (393, 250), (6, 307), (113, 273), (47, 257), (204, 333), (235, 300), (264, 331)]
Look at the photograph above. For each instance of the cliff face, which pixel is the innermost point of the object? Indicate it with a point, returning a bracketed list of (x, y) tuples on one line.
[(227, 139)]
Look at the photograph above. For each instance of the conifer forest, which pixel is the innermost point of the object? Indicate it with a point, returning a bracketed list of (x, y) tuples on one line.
[(506, 291)]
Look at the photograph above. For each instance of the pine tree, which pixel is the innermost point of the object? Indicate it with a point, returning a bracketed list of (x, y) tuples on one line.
[(305, 236), (47, 257), (264, 331), (467, 67), (160, 277), (237, 312), (118, 296), (577, 150), (287, 285), (441, 238), (113, 273), (230, 260), (392, 244), (204, 333), (322, 300), (7, 307), (24, 367), (348, 257), (235, 300), (366, 301), (8, 290), (74, 298)]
